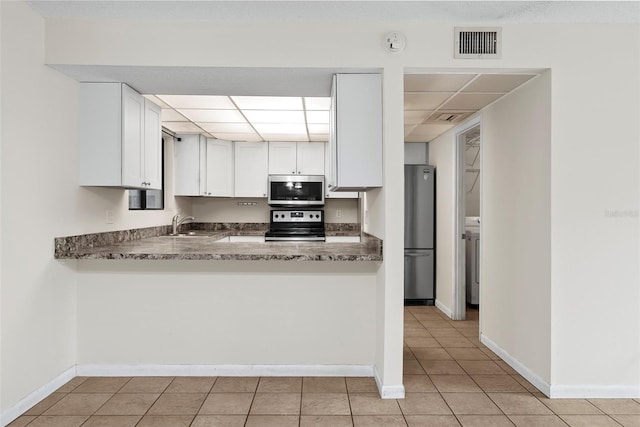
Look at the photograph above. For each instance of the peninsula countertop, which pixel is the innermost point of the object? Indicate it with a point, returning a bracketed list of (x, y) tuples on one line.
[(154, 243)]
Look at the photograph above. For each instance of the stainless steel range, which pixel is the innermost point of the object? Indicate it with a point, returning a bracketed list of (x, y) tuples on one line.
[(296, 225)]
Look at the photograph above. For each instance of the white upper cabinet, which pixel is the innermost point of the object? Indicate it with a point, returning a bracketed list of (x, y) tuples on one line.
[(355, 136), (152, 158), (282, 158), (310, 158), (219, 180), (251, 161), (328, 194), (189, 153), (203, 167), (296, 158), (120, 138)]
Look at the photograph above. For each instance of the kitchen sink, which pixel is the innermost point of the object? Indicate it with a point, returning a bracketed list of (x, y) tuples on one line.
[(241, 239), (191, 234)]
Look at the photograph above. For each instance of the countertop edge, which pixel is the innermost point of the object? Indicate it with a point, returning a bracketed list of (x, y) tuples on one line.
[(138, 244)]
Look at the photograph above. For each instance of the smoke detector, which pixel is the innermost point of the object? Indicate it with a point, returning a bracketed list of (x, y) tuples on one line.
[(395, 42)]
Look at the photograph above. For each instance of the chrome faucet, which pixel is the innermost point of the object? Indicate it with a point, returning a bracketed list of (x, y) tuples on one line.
[(177, 221)]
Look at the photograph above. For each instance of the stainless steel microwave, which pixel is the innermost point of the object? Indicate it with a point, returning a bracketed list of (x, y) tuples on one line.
[(296, 190)]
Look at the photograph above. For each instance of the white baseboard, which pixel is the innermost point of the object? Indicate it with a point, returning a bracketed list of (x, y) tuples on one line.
[(105, 370), (443, 308), (534, 379), (35, 397), (388, 391), (595, 391)]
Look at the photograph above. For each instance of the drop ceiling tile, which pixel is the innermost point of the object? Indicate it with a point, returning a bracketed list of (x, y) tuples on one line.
[(415, 117), (268, 102), (250, 137), (213, 116), (207, 102), (317, 103), (182, 127), (319, 137), (227, 127), (424, 100), (502, 83), (435, 82), (171, 115), (470, 101), (280, 128), (159, 102), (318, 128), (321, 117), (285, 137), (426, 133), (268, 116)]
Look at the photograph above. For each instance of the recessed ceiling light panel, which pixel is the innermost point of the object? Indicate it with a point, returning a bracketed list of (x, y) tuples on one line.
[(268, 102)]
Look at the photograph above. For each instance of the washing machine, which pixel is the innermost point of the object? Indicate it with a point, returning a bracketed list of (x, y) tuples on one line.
[(472, 259)]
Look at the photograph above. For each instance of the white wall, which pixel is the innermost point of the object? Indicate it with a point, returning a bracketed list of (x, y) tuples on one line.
[(227, 210), (226, 313), (416, 153), (41, 201), (38, 301), (442, 155), (595, 293), (515, 274)]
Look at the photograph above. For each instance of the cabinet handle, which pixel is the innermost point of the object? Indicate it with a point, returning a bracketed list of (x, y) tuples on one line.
[(293, 172)]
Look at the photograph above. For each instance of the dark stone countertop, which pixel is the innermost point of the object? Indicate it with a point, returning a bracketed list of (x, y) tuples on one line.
[(154, 244)]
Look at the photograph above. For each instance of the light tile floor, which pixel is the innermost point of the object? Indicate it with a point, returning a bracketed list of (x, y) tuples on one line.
[(451, 379)]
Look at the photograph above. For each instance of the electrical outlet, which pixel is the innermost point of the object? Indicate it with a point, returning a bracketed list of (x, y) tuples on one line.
[(108, 216), (338, 213), (366, 217)]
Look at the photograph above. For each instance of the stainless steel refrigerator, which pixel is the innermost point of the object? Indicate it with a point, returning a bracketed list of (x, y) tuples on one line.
[(419, 234)]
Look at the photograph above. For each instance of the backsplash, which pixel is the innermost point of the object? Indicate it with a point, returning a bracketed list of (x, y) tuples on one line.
[(228, 210)]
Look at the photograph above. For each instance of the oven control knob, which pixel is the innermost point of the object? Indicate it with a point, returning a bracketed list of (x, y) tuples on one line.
[(276, 216), (317, 216)]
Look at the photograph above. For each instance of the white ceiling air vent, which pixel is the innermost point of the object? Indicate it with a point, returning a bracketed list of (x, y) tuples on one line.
[(478, 43), (451, 117)]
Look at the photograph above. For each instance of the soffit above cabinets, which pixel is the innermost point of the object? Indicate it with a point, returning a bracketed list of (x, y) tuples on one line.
[(247, 118), (435, 103)]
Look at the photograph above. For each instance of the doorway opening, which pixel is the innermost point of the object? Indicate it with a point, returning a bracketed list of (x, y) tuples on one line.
[(466, 292)]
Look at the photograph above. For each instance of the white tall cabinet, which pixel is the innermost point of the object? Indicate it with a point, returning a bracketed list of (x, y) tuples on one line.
[(355, 137), (251, 169), (296, 158), (120, 138)]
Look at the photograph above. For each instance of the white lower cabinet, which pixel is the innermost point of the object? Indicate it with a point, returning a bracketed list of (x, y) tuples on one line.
[(203, 167), (251, 161)]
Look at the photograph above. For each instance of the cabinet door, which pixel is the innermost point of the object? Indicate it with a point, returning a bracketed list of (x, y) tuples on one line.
[(328, 194), (152, 148), (186, 165), (219, 168), (356, 131), (310, 158), (132, 137), (251, 169), (282, 158)]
